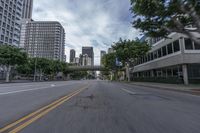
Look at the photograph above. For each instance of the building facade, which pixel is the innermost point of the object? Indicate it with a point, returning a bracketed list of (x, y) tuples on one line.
[(10, 16), (27, 9), (77, 61), (86, 60), (89, 52), (172, 60), (45, 39), (72, 56), (24, 23), (26, 18)]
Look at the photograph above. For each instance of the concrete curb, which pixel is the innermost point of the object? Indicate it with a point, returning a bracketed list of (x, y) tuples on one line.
[(193, 92)]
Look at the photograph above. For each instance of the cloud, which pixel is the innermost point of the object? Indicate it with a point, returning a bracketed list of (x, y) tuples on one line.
[(96, 23)]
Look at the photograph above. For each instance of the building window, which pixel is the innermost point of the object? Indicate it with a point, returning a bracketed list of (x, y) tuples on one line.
[(164, 72), (194, 71), (169, 48), (159, 73), (2, 38), (152, 58), (159, 53), (176, 46), (149, 57), (188, 44), (175, 72), (197, 46), (164, 50), (169, 72), (155, 55), (154, 73)]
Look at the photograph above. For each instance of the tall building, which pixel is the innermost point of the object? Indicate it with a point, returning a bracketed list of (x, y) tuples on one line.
[(89, 51), (27, 9), (102, 53), (10, 16), (72, 55), (24, 23), (26, 18), (77, 61), (45, 39), (86, 60)]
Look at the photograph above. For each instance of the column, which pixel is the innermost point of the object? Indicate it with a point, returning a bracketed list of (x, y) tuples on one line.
[(185, 74), (127, 72)]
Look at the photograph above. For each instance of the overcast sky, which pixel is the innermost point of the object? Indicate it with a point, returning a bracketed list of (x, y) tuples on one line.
[(96, 23)]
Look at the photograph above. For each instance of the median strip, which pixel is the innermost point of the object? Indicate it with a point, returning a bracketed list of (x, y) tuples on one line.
[(27, 120)]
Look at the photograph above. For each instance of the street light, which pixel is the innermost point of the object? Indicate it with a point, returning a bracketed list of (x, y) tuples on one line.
[(35, 69)]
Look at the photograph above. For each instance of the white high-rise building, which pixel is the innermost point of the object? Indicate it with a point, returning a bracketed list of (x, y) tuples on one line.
[(10, 16), (86, 60), (26, 18), (45, 39), (27, 9)]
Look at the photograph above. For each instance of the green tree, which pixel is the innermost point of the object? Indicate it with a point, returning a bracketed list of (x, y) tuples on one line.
[(158, 18), (77, 75), (50, 67), (27, 68), (127, 51), (108, 61), (11, 56), (43, 67)]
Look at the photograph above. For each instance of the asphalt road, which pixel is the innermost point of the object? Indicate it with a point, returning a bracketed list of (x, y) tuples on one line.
[(97, 107)]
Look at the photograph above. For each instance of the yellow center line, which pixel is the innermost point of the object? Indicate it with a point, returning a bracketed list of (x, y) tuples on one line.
[(39, 112)]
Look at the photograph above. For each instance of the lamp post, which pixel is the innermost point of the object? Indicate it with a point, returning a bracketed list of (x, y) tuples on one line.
[(35, 69)]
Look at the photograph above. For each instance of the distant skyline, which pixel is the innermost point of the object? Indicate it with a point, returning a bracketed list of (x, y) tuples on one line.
[(96, 23)]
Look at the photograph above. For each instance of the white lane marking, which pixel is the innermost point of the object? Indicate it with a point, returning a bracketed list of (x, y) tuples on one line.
[(2, 87), (53, 85), (130, 92), (11, 92), (27, 84)]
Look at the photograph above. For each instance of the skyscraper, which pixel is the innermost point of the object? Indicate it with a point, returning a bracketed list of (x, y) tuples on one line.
[(24, 23), (72, 55), (10, 16), (26, 18), (27, 9), (45, 39), (86, 60), (102, 53), (89, 51)]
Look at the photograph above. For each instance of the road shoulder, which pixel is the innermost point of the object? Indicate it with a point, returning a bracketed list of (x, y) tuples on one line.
[(190, 89)]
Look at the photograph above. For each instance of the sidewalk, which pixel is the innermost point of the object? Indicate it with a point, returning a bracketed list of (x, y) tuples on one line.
[(192, 89)]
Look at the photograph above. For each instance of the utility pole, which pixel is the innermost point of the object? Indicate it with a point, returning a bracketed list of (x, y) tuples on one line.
[(35, 69)]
